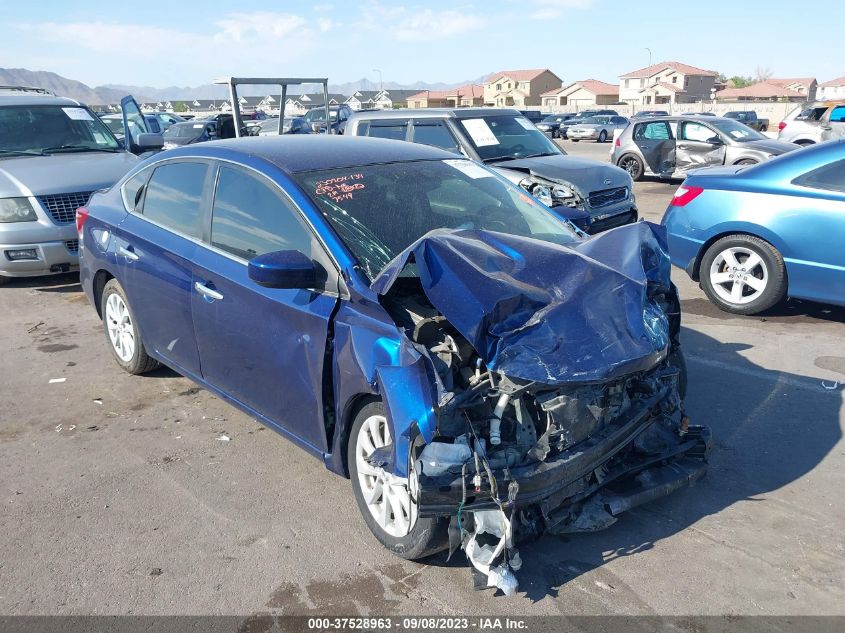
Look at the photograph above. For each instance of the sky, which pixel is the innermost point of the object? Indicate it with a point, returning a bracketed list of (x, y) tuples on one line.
[(185, 43)]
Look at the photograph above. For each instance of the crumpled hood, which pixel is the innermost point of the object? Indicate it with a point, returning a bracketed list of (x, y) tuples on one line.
[(547, 313), (772, 146), (62, 173), (585, 174)]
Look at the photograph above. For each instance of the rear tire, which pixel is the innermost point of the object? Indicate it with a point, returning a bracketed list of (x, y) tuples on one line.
[(633, 165), (425, 536), (743, 274), (121, 331)]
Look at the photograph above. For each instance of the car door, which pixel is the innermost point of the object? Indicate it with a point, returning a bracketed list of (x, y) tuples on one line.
[(264, 347), (134, 125), (833, 125), (657, 145), (155, 245), (698, 145), (396, 129)]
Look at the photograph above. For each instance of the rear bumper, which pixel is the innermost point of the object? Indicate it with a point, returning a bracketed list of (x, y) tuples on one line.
[(614, 467)]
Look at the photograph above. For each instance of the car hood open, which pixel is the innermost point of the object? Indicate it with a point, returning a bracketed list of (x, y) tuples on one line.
[(537, 311)]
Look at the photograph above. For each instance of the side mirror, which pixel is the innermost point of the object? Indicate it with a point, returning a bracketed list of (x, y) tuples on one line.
[(283, 269), (148, 141), (715, 140)]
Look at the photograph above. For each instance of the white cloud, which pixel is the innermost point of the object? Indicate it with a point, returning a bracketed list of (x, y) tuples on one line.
[(428, 25), (550, 9), (259, 24)]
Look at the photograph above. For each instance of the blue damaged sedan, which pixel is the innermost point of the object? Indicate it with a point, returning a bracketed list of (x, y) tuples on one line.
[(414, 320), (754, 236)]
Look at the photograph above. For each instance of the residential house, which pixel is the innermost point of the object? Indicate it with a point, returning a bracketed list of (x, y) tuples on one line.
[(393, 98), (519, 88), (581, 95), (666, 83), (833, 89), (429, 99), (761, 91), (363, 100), (462, 96), (807, 86), (297, 105)]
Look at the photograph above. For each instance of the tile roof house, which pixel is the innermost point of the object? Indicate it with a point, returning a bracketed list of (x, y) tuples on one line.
[(462, 96), (581, 95), (519, 88), (807, 86), (833, 89), (666, 83), (761, 91)]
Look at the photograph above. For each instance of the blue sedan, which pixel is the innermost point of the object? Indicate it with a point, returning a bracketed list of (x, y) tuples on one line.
[(411, 318), (753, 236)]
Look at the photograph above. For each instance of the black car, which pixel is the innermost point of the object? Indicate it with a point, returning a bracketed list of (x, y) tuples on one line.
[(535, 116), (551, 124)]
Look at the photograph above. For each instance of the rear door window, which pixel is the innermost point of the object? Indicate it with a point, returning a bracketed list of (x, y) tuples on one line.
[(396, 129), (174, 197), (654, 131), (435, 133)]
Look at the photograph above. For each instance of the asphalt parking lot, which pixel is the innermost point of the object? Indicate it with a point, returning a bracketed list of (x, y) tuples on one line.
[(148, 495)]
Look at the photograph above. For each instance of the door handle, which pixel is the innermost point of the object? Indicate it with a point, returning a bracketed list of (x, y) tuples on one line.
[(128, 253), (207, 292)]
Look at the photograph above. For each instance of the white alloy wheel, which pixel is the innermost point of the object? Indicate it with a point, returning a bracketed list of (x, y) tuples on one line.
[(387, 497), (738, 275), (119, 324)]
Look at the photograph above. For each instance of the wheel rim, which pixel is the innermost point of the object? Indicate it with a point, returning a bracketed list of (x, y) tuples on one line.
[(387, 497), (631, 166), (739, 275), (120, 328)]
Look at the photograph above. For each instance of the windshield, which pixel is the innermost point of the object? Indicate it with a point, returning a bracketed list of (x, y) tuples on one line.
[(272, 125), (737, 131), (552, 119), (185, 130), (506, 137), (380, 210), (319, 114), (37, 129), (595, 120)]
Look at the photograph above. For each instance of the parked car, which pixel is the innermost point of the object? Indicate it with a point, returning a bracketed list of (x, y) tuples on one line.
[(53, 153), (647, 113), (291, 125), (316, 118), (749, 117), (551, 124), (592, 195), (833, 123), (588, 113), (535, 116), (275, 273), (700, 114), (669, 147), (754, 236), (115, 124), (596, 128), (190, 132), (802, 125), (165, 119), (563, 129)]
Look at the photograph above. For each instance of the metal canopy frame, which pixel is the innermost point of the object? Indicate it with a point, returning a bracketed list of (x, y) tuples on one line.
[(284, 82)]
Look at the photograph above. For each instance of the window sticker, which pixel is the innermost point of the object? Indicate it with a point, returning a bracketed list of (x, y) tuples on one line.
[(525, 123), (77, 114), (468, 168), (480, 132), (340, 188), (99, 138)]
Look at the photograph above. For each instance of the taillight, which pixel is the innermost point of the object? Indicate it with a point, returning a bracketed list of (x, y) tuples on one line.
[(618, 141), (781, 125), (81, 216), (684, 195)]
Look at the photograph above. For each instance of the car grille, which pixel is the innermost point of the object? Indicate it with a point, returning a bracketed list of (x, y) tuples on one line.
[(62, 207), (612, 222), (605, 197), (72, 245)]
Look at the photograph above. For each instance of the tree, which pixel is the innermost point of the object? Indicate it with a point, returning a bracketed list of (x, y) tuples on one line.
[(738, 81), (762, 73)]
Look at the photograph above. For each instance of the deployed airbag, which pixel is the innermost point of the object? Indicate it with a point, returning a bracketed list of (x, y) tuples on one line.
[(544, 312)]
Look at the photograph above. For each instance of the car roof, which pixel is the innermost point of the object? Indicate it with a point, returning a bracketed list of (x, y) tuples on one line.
[(452, 113), (9, 98), (296, 153), (684, 117)]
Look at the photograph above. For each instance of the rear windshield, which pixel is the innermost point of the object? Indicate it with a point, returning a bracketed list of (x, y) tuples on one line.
[(37, 129)]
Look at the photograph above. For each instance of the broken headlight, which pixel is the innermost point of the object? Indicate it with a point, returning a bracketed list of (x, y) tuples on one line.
[(16, 210), (548, 193)]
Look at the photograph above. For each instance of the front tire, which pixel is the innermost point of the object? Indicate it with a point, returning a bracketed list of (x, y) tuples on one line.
[(602, 136), (743, 274), (385, 501), (121, 331)]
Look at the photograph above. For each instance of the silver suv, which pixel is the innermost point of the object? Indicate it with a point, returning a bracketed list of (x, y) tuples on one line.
[(54, 153)]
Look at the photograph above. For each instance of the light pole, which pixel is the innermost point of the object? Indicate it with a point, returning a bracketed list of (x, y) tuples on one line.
[(649, 55), (380, 80)]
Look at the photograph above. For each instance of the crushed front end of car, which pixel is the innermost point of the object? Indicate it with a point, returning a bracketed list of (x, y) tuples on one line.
[(559, 385)]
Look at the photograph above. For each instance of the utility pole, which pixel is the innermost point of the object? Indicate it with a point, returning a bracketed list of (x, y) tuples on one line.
[(649, 55), (380, 80)]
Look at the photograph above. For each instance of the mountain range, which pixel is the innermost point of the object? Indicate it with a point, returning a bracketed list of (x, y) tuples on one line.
[(112, 93)]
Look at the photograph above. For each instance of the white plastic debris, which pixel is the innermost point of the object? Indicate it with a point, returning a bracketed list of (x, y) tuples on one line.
[(224, 438), (437, 457), (482, 556)]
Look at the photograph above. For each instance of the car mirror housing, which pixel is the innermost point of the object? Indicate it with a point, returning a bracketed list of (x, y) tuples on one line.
[(283, 269), (149, 141), (715, 140)]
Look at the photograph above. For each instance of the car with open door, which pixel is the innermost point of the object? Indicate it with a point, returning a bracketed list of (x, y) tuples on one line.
[(669, 147), (54, 152), (310, 282)]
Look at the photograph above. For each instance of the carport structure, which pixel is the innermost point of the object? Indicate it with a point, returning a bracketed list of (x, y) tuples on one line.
[(283, 82)]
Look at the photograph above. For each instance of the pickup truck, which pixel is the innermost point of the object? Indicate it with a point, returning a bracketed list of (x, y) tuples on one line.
[(749, 117)]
